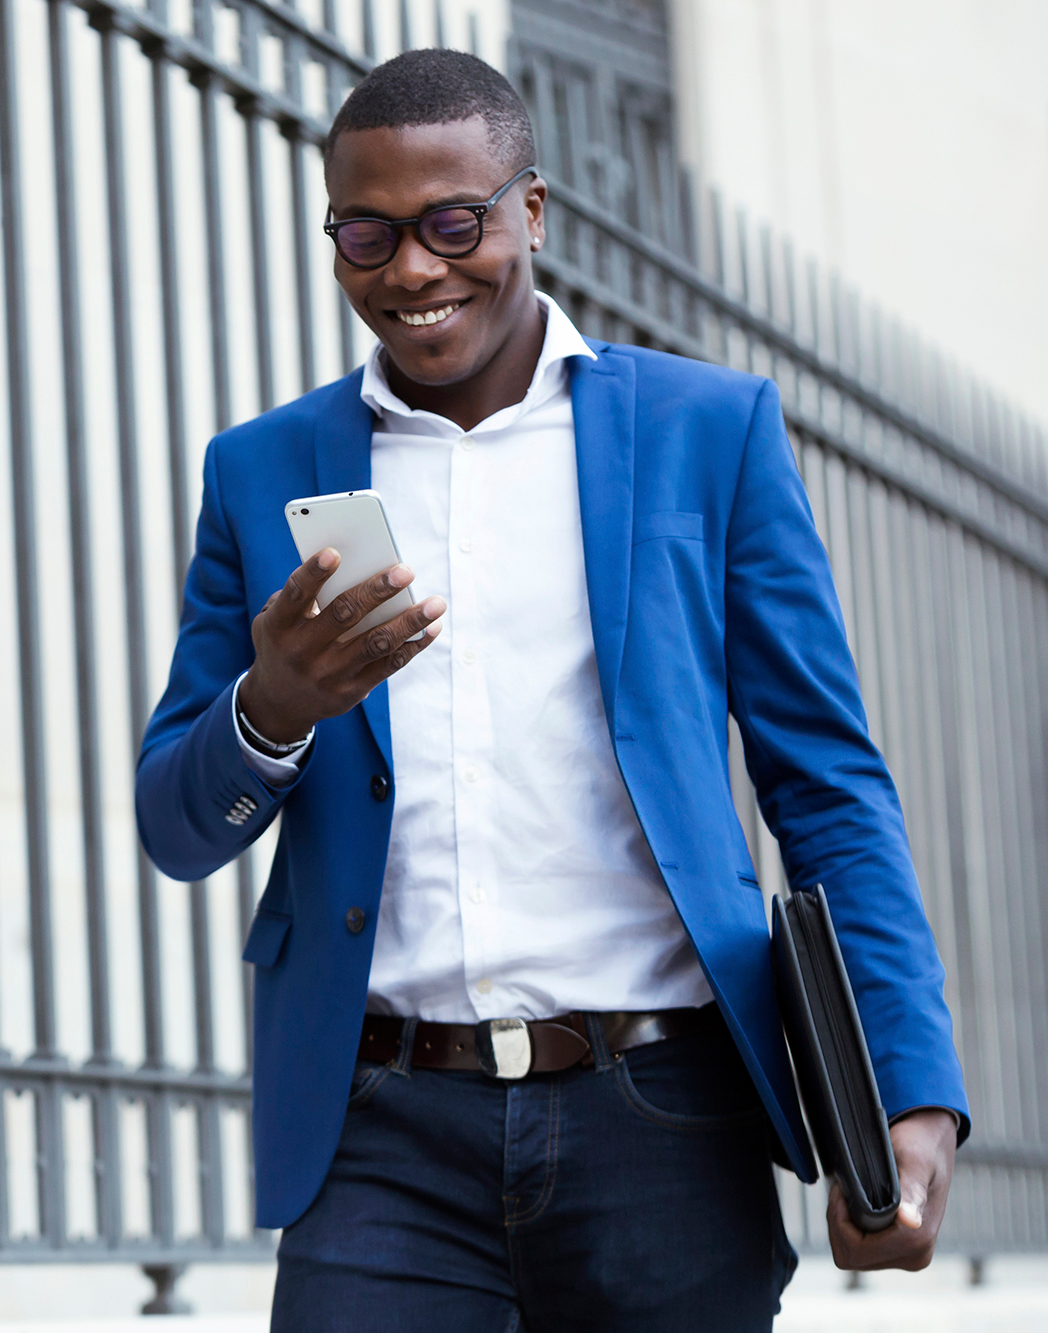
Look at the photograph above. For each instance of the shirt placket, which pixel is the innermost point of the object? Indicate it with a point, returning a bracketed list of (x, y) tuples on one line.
[(473, 746)]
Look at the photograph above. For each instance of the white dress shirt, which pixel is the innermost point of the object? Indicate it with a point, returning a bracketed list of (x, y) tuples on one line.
[(519, 882)]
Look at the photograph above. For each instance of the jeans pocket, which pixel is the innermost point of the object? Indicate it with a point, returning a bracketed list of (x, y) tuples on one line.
[(367, 1079), (728, 1120)]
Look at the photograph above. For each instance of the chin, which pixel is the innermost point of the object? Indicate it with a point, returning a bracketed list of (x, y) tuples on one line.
[(436, 370)]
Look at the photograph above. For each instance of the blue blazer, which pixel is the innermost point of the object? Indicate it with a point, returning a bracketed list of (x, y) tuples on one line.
[(709, 591)]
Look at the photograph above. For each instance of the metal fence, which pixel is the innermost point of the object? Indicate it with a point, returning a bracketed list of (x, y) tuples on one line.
[(187, 287)]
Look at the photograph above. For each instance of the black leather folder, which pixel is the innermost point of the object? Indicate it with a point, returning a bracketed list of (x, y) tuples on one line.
[(832, 1060)]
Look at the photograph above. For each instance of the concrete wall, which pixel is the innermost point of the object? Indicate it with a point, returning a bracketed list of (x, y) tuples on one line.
[(902, 142)]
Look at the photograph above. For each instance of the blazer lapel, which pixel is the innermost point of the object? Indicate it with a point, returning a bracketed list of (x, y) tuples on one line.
[(603, 395), (343, 461)]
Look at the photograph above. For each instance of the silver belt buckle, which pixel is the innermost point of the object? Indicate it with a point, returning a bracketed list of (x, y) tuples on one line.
[(504, 1047)]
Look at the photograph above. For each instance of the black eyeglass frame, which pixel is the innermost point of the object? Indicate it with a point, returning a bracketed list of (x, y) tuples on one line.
[(331, 227)]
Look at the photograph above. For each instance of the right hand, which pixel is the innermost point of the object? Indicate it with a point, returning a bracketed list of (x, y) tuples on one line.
[(307, 668)]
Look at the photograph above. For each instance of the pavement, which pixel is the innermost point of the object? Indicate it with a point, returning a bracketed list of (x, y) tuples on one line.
[(1013, 1299)]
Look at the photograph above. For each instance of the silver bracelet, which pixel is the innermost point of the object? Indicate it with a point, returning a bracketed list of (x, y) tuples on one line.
[(278, 749)]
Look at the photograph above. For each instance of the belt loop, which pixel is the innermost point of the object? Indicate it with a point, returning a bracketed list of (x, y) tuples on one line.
[(402, 1064), (598, 1043)]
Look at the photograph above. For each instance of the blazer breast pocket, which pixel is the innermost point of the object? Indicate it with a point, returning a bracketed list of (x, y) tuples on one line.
[(667, 523), (265, 939)]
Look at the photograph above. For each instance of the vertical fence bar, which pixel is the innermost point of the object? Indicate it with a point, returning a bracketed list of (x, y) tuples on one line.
[(5, 1208), (208, 1128), (24, 519), (104, 1106), (209, 1166), (166, 205), (47, 1100), (303, 286), (157, 1106), (250, 32), (216, 273), (260, 259), (293, 55), (80, 532)]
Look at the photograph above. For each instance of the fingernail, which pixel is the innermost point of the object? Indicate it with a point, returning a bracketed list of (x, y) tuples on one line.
[(400, 576), (433, 630), (910, 1213), (433, 607), (328, 558)]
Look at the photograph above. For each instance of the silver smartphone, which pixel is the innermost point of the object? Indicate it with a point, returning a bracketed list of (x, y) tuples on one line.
[(355, 524)]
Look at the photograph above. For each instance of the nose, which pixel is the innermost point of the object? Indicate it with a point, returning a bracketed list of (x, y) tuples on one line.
[(413, 266)]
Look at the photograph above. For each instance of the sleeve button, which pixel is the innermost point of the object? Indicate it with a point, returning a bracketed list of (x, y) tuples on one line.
[(379, 787), (355, 918)]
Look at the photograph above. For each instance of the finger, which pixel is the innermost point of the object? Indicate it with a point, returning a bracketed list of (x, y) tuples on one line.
[(383, 639), (916, 1171), (350, 607), (395, 661), (298, 594), (845, 1237)]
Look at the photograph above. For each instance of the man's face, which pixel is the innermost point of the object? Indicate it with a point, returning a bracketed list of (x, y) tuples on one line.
[(399, 173)]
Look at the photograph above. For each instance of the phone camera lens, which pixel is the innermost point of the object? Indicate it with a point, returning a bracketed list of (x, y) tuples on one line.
[(305, 511)]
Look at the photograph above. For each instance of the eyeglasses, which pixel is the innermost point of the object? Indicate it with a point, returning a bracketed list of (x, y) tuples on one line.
[(450, 232)]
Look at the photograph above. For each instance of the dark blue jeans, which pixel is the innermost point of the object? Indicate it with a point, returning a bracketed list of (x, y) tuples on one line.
[(635, 1196)]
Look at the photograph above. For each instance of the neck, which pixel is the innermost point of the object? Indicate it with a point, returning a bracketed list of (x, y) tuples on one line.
[(503, 381)]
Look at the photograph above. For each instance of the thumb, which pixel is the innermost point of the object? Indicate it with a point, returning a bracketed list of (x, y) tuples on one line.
[(911, 1209)]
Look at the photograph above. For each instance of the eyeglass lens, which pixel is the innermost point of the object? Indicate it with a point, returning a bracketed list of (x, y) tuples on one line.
[(369, 242)]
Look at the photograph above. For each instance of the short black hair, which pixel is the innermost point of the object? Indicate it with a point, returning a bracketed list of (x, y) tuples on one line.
[(435, 86)]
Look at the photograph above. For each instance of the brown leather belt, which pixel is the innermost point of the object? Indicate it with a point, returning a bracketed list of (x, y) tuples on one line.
[(513, 1047)]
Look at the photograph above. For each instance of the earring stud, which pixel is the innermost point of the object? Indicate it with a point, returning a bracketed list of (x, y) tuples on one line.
[(535, 242)]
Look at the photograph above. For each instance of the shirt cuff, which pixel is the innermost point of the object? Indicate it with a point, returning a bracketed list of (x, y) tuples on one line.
[(277, 772)]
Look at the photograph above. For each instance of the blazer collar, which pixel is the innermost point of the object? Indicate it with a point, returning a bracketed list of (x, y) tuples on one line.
[(603, 397), (342, 445)]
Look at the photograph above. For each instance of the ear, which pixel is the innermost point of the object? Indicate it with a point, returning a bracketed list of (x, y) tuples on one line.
[(535, 208)]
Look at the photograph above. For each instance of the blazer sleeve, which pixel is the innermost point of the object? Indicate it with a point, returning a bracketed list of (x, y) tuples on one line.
[(823, 787), (198, 803)]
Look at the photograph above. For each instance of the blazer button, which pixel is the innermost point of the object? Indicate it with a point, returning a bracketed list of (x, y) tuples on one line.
[(355, 918), (379, 787)]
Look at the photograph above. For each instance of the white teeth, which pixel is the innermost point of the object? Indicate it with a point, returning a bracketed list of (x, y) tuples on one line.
[(420, 318)]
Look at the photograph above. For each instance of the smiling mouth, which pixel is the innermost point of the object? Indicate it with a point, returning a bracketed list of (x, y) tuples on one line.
[(418, 318)]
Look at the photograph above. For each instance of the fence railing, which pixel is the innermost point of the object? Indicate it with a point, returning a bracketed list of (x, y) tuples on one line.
[(185, 284)]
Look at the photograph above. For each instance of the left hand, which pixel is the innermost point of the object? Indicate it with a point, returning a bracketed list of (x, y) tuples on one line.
[(925, 1144)]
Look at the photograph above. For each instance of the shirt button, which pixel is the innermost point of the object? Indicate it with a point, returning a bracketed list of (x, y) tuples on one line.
[(466, 545), (472, 774), (379, 787), (477, 895), (484, 986), (466, 442), (469, 657), (355, 918)]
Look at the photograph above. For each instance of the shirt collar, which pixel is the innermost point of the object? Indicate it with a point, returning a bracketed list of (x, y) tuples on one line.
[(561, 341)]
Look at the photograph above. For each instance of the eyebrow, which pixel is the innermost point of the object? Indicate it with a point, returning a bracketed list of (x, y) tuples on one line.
[(450, 201)]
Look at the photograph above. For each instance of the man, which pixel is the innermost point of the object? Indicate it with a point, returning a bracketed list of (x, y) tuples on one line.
[(528, 818)]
